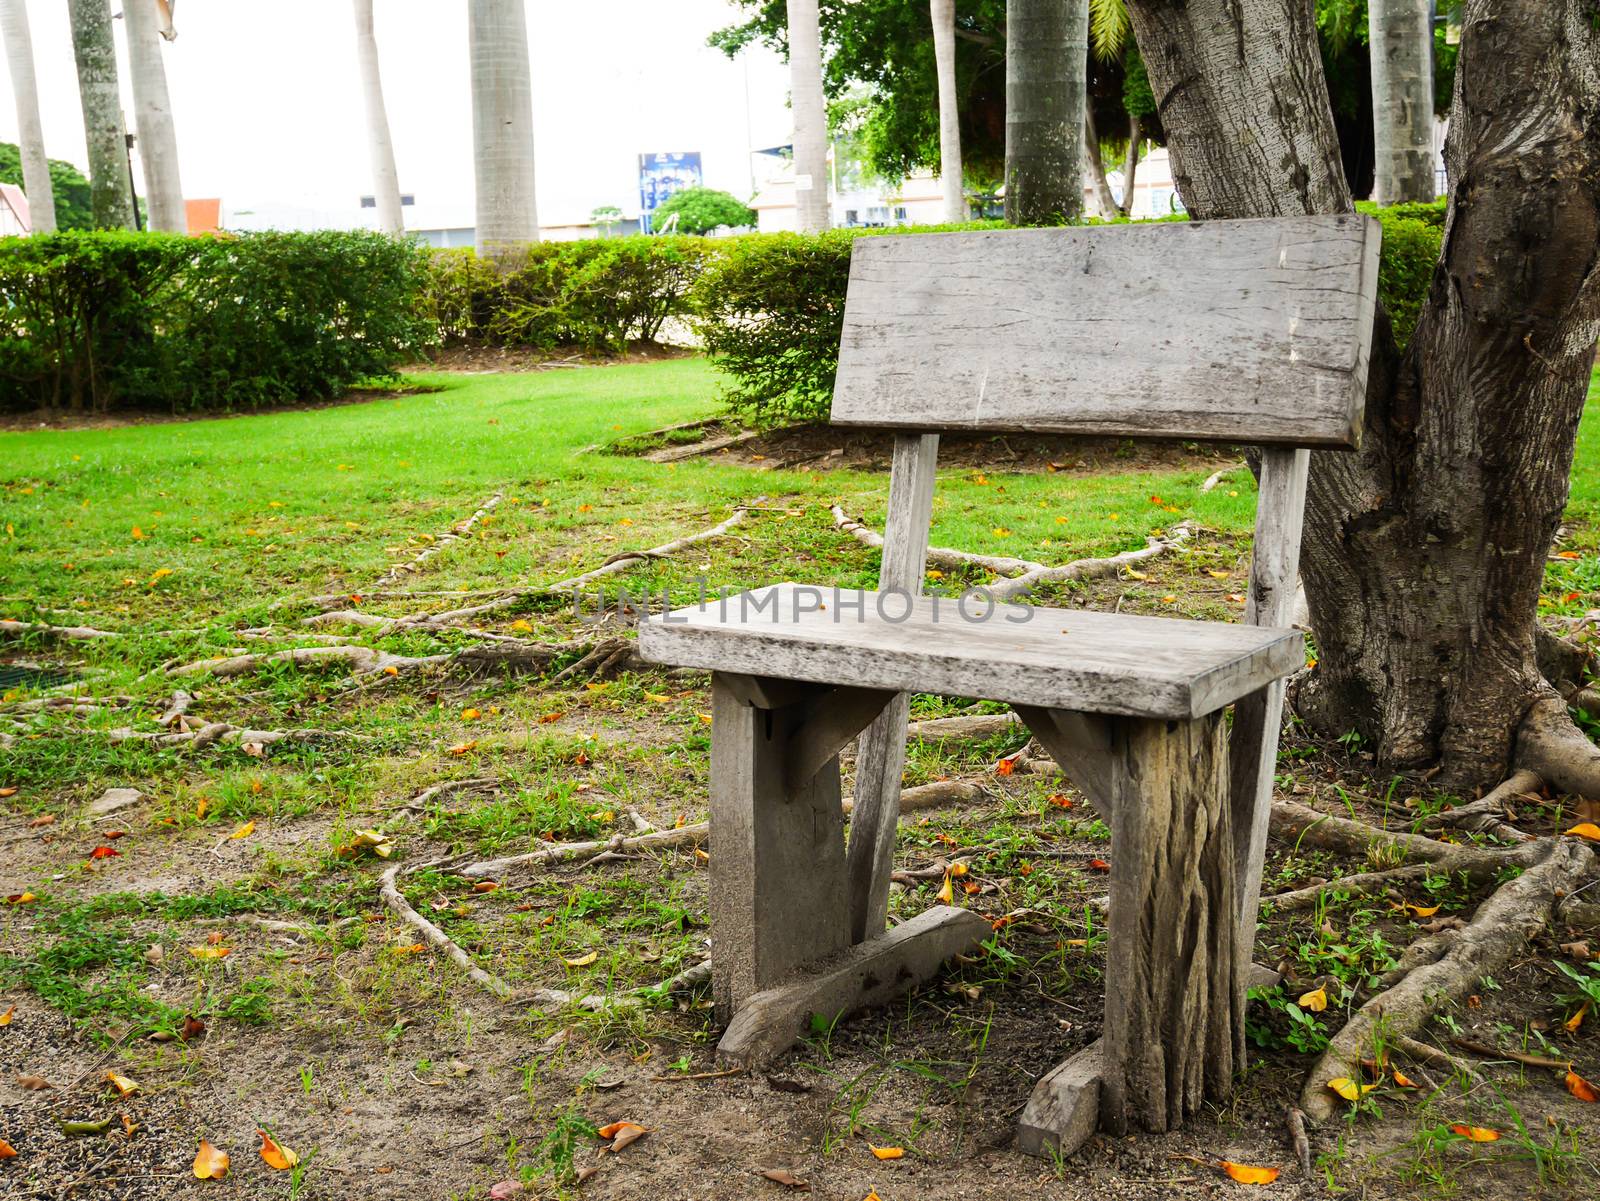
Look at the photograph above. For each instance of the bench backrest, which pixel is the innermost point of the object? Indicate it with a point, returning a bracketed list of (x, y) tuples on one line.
[(1241, 331)]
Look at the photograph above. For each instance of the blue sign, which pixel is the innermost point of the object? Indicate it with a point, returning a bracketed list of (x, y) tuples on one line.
[(660, 175)]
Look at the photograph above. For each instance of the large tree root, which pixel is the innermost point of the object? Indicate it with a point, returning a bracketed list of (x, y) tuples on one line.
[(1498, 931), (1549, 744), (1491, 813), (45, 629), (504, 656), (396, 901), (456, 533), (616, 563), (1025, 575), (210, 733)]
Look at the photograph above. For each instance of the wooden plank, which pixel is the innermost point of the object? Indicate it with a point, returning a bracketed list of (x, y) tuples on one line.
[(764, 692), (777, 858), (1081, 743), (830, 722), (881, 756), (1247, 331), (1174, 1019), (1051, 658), (1063, 1111), (864, 975), (1258, 717)]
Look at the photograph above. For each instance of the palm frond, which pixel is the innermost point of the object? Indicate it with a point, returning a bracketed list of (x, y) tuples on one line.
[(1109, 28)]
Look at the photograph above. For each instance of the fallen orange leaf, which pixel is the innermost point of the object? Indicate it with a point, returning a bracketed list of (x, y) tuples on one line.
[(1572, 1023), (210, 1163), (1316, 1000), (1585, 830), (1005, 767), (277, 1157), (21, 898), (103, 852), (1421, 910), (1247, 1174), (1568, 554), (124, 1086), (415, 948), (244, 831), (461, 748), (1061, 800), (886, 1152), (1349, 1089), (946, 894), (471, 714), (1401, 1079), (1099, 865), (7, 1151), (485, 886), (1581, 1088), (1477, 1134), (210, 952), (583, 961), (5, 1018), (5, 792)]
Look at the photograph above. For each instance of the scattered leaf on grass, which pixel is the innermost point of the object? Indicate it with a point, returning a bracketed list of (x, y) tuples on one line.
[(1248, 1173), (276, 1156), (485, 886), (33, 1083), (210, 1163), (1421, 910), (583, 961), (462, 748), (192, 1027), (1581, 1088), (210, 952), (104, 852), (124, 1086), (786, 1178), (375, 841), (1585, 830), (5, 792), (622, 1134), (1349, 1089), (244, 831), (1401, 1079), (5, 1018), (1477, 1134), (886, 1152), (1316, 1000), (1099, 865), (946, 894), (44, 819), (21, 898), (154, 954)]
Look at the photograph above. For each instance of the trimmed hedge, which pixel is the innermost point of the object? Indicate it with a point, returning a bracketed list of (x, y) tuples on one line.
[(95, 321)]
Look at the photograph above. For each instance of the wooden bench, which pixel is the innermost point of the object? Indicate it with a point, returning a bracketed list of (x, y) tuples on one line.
[(1247, 332)]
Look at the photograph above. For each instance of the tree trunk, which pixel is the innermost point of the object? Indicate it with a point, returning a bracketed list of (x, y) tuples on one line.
[(943, 13), (1130, 163), (1094, 166), (380, 148), (152, 110), (502, 126), (30, 133), (1046, 60), (1424, 552), (110, 189), (1401, 39), (810, 118)]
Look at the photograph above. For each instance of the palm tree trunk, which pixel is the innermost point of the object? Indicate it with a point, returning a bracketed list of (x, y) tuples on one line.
[(1046, 61), (110, 189), (944, 53), (30, 133), (385, 177), (1094, 166), (152, 110), (1401, 37), (810, 118), (1130, 164), (502, 125)]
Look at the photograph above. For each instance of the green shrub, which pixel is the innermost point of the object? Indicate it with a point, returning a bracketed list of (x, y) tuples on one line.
[(701, 210), (1405, 270), (113, 319)]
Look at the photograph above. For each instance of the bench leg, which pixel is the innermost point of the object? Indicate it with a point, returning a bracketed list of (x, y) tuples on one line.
[(1174, 1018), (777, 858)]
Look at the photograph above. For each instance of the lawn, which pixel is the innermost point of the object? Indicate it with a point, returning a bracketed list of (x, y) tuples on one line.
[(328, 1023)]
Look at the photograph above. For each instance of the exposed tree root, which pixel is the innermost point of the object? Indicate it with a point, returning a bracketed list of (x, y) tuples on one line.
[(1216, 477), (1025, 575), (1491, 813), (1295, 1119), (567, 852), (396, 901), (1583, 915), (504, 600), (208, 733), (977, 728), (1300, 899), (1549, 744), (462, 529), (20, 628), (1498, 931), (556, 998)]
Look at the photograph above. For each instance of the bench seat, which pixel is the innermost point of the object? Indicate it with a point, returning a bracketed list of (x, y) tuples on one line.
[(1074, 659)]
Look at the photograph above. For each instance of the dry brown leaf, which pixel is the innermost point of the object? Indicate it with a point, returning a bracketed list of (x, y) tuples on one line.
[(33, 1084), (626, 1133), (192, 1027), (787, 1178), (46, 819), (210, 1163)]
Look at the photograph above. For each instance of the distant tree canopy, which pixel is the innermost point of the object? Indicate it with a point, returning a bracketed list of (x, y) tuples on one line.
[(878, 57), (701, 210), (71, 187)]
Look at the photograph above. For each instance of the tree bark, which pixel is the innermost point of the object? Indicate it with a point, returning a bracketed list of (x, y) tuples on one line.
[(502, 126), (1103, 200), (380, 147), (943, 13), (110, 189), (1401, 39), (1130, 164), (810, 118), (30, 132), (1046, 61), (1424, 552), (152, 111)]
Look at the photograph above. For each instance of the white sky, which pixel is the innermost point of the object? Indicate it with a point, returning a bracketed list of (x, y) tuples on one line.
[(268, 103)]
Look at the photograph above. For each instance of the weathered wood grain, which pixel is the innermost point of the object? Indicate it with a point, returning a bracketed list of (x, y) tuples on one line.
[(1056, 659), (1082, 744), (1243, 331), (777, 894), (881, 756), (1063, 1111), (1174, 1021), (864, 975), (1258, 717)]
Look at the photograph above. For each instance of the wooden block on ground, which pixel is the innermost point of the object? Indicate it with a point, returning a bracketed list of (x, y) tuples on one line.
[(866, 974), (1063, 1112)]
